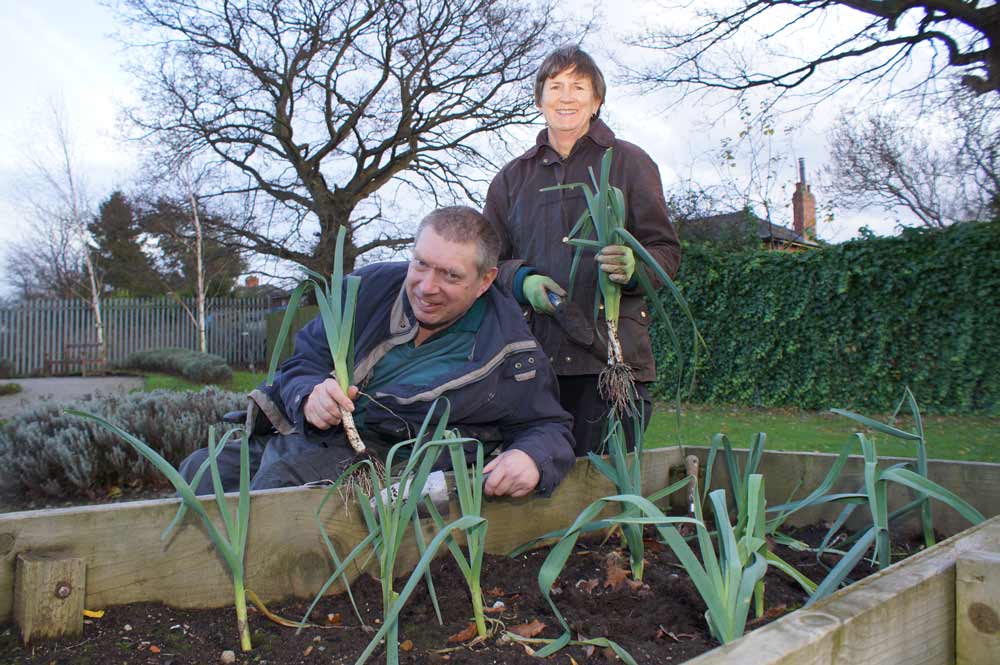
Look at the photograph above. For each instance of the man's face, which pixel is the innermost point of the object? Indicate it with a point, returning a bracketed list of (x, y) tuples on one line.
[(443, 281)]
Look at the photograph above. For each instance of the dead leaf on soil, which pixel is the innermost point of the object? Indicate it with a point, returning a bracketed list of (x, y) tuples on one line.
[(154, 649), (308, 650), (616, 574), (663, 633), (93, 614), (465, 635), (770, 613), (588, 586), (652, 545), (333, 619), (528, 629), (406, 645)]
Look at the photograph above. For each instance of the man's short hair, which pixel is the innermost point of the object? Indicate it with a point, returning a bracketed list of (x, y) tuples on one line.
[(572, 57), (463, 224)]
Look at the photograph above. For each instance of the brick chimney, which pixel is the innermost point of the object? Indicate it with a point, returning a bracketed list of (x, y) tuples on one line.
[(252, 281), (804, 206)]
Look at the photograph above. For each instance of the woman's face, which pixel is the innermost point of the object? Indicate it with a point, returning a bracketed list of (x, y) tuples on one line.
[(568, 103)]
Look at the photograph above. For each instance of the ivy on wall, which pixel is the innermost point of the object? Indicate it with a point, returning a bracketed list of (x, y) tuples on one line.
[(848, 325)]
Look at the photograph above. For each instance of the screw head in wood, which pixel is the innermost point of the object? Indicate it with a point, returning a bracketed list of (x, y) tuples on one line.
[(63, 590)]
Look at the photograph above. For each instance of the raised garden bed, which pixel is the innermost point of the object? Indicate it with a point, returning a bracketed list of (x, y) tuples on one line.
[(905, 614)]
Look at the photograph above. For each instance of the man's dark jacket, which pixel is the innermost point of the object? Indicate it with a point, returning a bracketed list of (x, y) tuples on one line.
[(507, 385), (532, 224)]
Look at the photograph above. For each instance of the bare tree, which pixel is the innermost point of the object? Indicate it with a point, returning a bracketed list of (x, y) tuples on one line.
[(978, 125), (314, 106), (60, 208), (199, 261), (803, 44), (65, 183), (47, 262), (749, 165), (886, 160)]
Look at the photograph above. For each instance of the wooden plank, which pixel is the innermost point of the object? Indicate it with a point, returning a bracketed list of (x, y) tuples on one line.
[(48, 595), (795, 474), (904, 614), (977, 616), (127, 561)]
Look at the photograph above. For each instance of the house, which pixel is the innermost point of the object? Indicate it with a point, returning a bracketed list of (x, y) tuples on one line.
[(743, 227), (252, 288)]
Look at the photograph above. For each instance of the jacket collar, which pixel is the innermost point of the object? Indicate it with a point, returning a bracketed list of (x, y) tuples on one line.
[(598, 133)]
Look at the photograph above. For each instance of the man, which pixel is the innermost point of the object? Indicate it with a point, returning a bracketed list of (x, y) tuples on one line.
[(434, 327)]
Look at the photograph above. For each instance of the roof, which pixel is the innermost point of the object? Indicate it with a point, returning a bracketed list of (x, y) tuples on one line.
[(262, 291), (731, 224)]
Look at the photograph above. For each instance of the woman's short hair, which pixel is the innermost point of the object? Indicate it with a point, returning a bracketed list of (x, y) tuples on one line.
[(463, 224), (572, 57)]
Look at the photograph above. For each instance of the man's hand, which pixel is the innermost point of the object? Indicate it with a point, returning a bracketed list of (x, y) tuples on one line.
[(618, 261), (512, 473), (536, 289), (322, 407)]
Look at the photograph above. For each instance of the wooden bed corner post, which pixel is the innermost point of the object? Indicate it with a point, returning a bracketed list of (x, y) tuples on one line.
[(977, 608), (49, 592)]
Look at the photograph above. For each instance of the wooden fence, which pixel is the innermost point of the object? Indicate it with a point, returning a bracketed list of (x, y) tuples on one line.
[(235, 329)]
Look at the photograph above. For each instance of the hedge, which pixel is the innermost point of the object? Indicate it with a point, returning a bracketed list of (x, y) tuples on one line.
[(848, 325), (191, 365)]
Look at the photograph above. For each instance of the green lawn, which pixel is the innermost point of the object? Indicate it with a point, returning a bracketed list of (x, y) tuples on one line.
[(970, 438), (243, 382)]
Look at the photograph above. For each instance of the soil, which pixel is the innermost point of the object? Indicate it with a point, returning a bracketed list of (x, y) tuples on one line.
[(658, 621)]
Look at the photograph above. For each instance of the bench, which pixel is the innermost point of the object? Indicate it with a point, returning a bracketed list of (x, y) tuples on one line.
[(86, 357)]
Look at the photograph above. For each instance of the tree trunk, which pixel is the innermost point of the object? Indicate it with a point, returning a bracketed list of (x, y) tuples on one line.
[(199, 269), (202, 341), (95, 301)]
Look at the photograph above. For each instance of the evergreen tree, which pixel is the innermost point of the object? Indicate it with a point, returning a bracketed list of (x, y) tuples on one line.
[(169, 222), (119, 256)]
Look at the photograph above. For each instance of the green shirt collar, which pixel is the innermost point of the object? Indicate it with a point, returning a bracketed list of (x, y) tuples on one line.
[(472, 319)]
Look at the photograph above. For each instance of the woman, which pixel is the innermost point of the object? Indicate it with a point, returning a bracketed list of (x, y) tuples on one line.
[(569, 91)]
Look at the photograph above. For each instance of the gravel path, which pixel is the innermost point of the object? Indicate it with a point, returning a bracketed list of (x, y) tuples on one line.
[(63, 389)]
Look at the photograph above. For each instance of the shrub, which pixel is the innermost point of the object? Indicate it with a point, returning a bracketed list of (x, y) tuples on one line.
[(52, 454), (847, 325), (192, 365), (6, 368), (9, 389)]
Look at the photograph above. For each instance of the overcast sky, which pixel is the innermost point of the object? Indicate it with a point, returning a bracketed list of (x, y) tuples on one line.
[(65, 51)]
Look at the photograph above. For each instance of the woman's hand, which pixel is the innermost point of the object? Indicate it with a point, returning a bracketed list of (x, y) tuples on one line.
[(536, 289), (618, 261)]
